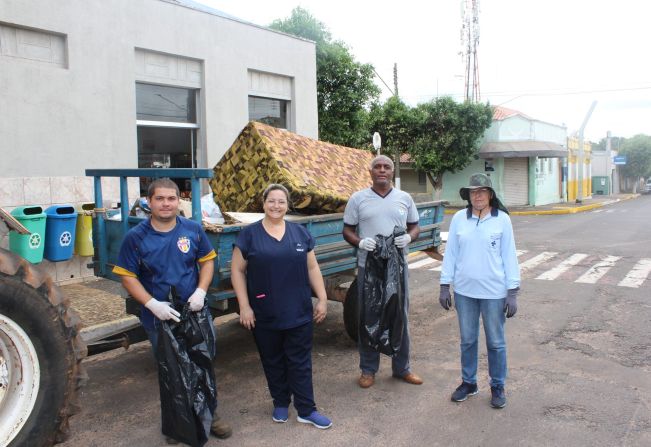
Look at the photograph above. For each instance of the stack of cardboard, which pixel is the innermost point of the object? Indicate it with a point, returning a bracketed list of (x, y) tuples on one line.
[(319, 176)]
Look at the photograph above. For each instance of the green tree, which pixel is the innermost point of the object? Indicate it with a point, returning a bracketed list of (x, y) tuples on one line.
[(449, 134), (615, 144), (345, 87), (397, 124), (638, 156)]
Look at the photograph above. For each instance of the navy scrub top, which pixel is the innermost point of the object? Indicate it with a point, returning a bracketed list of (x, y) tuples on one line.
[(277, 278)]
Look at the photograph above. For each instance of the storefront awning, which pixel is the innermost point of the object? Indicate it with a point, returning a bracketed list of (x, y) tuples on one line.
[(517, 149)]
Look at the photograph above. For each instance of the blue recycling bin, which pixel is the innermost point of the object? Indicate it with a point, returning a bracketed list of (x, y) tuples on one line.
[(60, 225)]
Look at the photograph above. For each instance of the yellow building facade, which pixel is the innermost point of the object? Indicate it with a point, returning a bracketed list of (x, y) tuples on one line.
[(577, 170)]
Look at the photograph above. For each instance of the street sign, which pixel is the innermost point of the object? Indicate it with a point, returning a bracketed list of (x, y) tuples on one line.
[(619, 159)]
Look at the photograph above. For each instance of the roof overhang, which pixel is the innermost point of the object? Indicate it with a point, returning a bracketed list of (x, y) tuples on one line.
[(519, 149)]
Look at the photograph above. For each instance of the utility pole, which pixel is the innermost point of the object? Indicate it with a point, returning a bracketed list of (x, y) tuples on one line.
[(397, 149), (581, 160), (609, 161), (470, 42)]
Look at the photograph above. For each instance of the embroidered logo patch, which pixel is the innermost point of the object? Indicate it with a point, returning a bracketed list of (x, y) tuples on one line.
[(299, 247), (184, 244)]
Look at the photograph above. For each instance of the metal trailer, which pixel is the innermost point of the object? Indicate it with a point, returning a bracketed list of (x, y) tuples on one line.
[(337, 258), (42, 342)]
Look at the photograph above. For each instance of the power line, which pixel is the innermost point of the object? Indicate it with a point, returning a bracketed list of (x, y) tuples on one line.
[(385, 84), (539, 93)]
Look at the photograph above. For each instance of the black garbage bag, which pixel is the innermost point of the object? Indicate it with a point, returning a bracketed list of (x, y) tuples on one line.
[(382, 302), (188, 390)]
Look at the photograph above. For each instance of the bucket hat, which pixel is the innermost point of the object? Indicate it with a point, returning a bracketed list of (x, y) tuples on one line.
[(476, 181)]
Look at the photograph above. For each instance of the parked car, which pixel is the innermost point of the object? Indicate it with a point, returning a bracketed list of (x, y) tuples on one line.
[(647, 187)]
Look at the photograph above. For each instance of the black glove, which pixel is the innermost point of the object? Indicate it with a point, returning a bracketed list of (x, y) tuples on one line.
[(444, 297), (511, 302)]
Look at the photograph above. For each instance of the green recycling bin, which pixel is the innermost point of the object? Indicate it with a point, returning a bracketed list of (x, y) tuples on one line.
[(84, 236), (29, 246)]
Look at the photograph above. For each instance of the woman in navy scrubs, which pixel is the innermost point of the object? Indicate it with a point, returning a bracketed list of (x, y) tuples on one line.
[(274, 271)]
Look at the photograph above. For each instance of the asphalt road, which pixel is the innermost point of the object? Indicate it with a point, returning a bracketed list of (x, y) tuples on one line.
[(579, 360)]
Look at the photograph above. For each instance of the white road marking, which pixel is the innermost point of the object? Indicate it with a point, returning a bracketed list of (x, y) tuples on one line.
[(597, 210), (538, 259), (637, 275), (422, 263), (563, 267), (437, 268), (609, 211), (634, 278), (598, 270)]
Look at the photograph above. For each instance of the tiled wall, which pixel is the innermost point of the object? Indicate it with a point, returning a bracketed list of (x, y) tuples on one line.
[(46, 191)]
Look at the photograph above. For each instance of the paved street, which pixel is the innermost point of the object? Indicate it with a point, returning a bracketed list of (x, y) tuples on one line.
[(579, 359)]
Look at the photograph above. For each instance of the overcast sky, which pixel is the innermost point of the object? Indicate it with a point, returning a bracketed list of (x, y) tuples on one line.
[(548, 59)]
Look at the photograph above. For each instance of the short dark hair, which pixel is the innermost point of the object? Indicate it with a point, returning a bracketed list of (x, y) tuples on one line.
[(164, 182), (275, 187)]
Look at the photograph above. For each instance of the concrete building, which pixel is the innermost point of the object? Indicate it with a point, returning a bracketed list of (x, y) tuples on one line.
[(524, 158), (135, 83)]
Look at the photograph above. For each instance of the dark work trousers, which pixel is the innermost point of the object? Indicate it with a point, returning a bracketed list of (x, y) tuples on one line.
[(369, 360), (286, 357)]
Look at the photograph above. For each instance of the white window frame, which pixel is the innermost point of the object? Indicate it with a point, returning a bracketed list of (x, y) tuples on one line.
[(195, 137)]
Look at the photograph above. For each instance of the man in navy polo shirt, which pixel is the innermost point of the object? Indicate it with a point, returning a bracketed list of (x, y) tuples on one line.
[(376, 211), (162, 252)]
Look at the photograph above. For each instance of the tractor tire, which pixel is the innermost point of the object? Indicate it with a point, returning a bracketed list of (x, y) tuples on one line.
[(40, 356), (351, 312)]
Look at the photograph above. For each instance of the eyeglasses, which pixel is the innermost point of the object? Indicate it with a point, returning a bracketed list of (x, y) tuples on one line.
[(476, 192)]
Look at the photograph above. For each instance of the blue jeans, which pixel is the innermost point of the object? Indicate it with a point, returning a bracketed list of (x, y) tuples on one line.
[(152, 335), (492, 314), (369, 360)]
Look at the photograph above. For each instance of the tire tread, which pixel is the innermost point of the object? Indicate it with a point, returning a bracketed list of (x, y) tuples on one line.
[(12, 265)]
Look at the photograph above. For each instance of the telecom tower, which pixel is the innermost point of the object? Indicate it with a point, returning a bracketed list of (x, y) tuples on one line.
[(469, 42)]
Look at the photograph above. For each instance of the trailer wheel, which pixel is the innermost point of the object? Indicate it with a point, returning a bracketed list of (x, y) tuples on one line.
[(40, 356), (351, 312)]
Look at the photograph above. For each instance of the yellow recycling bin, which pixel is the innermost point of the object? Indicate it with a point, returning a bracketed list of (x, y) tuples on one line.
[(84, 230)]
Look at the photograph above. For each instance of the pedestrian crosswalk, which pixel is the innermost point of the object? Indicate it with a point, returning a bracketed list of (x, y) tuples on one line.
[(576, 267)]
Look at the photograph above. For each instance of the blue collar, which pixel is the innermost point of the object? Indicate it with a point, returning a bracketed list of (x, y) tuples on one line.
[(494, 211)]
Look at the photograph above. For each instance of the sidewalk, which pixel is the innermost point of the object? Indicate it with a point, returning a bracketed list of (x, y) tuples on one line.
[(563, 207)]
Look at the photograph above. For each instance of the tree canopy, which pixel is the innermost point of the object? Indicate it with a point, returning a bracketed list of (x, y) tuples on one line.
[(397, 123), (440, 136), (638, 156), (449, 136), (345, 87), (615, 144)]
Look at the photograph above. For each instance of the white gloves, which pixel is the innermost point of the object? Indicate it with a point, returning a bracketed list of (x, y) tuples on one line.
[(197, 299), (402, 241), (368, 244), (163, 310)]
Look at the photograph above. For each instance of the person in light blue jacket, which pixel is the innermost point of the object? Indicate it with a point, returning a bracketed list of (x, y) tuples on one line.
[(481, 264)]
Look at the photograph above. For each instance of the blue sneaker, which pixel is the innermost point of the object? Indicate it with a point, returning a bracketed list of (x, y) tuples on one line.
[(498, 399), (316, 419), (463, 391), (280, 414)]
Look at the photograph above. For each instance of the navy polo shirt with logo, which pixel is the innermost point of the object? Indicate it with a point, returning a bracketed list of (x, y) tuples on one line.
[(277, 278), (163, 259)]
